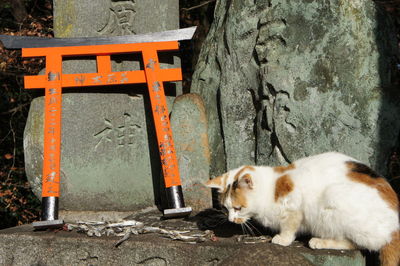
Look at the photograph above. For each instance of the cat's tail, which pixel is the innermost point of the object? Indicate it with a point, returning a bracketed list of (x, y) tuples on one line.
[(389, 254)]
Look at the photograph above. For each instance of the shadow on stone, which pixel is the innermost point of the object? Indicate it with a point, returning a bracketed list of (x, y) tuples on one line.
[(217, 220)]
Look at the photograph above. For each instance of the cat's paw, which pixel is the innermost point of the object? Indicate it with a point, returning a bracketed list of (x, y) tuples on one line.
[(281, 240), (316, 243), (319, 243)]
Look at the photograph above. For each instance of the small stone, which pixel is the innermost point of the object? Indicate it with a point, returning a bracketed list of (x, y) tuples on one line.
[(189, 126)]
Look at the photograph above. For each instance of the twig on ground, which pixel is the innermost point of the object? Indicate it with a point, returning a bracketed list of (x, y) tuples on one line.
[(126, 228)]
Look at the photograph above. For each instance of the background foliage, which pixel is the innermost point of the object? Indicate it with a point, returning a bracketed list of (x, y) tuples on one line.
[(18, 205)]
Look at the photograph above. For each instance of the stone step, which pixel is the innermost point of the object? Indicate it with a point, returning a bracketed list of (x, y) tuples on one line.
[(23, 246)]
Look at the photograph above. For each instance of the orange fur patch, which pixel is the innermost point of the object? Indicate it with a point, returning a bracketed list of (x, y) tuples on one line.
[(238, 197), (240, 172), (282, 169), (237, 194), (225, 180), (385, 190), (390, 253), (284, 185), (223, 194), (246, 179), (215, 181), (218, 181)]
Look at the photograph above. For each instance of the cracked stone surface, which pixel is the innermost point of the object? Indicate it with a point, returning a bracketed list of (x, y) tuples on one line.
[(294, 79), (23, 246)]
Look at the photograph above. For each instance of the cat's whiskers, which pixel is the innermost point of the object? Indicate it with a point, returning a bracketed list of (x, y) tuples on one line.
[(243, 229), (248, 228), (254, 227)]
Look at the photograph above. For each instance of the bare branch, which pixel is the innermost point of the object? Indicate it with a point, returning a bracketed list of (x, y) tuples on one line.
[(14, 149), (198, 6), (15, 109)]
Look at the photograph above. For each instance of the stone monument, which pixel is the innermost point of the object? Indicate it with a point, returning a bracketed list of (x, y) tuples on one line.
[(109, 155)]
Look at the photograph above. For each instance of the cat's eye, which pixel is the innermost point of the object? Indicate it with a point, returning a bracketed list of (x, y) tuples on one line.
[(237, 208)]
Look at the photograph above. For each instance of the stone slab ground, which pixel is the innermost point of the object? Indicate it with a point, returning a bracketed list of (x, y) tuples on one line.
[(23, 246)]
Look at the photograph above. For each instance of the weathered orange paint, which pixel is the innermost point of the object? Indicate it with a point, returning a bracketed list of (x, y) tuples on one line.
[(161, 118), (52, 127)]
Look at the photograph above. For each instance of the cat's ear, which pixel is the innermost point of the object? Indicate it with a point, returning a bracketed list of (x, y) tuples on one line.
[(216, 182), (246, 181)]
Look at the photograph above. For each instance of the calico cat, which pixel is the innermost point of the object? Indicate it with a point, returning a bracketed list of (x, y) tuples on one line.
[(341, 202)]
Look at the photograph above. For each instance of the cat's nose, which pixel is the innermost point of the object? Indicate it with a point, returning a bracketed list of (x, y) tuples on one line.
[(239, 220)]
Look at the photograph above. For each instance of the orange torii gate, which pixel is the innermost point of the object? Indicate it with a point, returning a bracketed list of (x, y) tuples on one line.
[(53, 82)]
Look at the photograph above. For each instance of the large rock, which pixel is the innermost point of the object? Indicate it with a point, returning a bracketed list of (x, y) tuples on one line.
[(297, 78)]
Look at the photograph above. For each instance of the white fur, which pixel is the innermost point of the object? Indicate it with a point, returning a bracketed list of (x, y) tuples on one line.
[(324, 202)]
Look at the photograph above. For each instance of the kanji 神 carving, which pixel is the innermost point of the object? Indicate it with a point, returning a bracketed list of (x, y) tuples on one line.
[(121, 134)]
